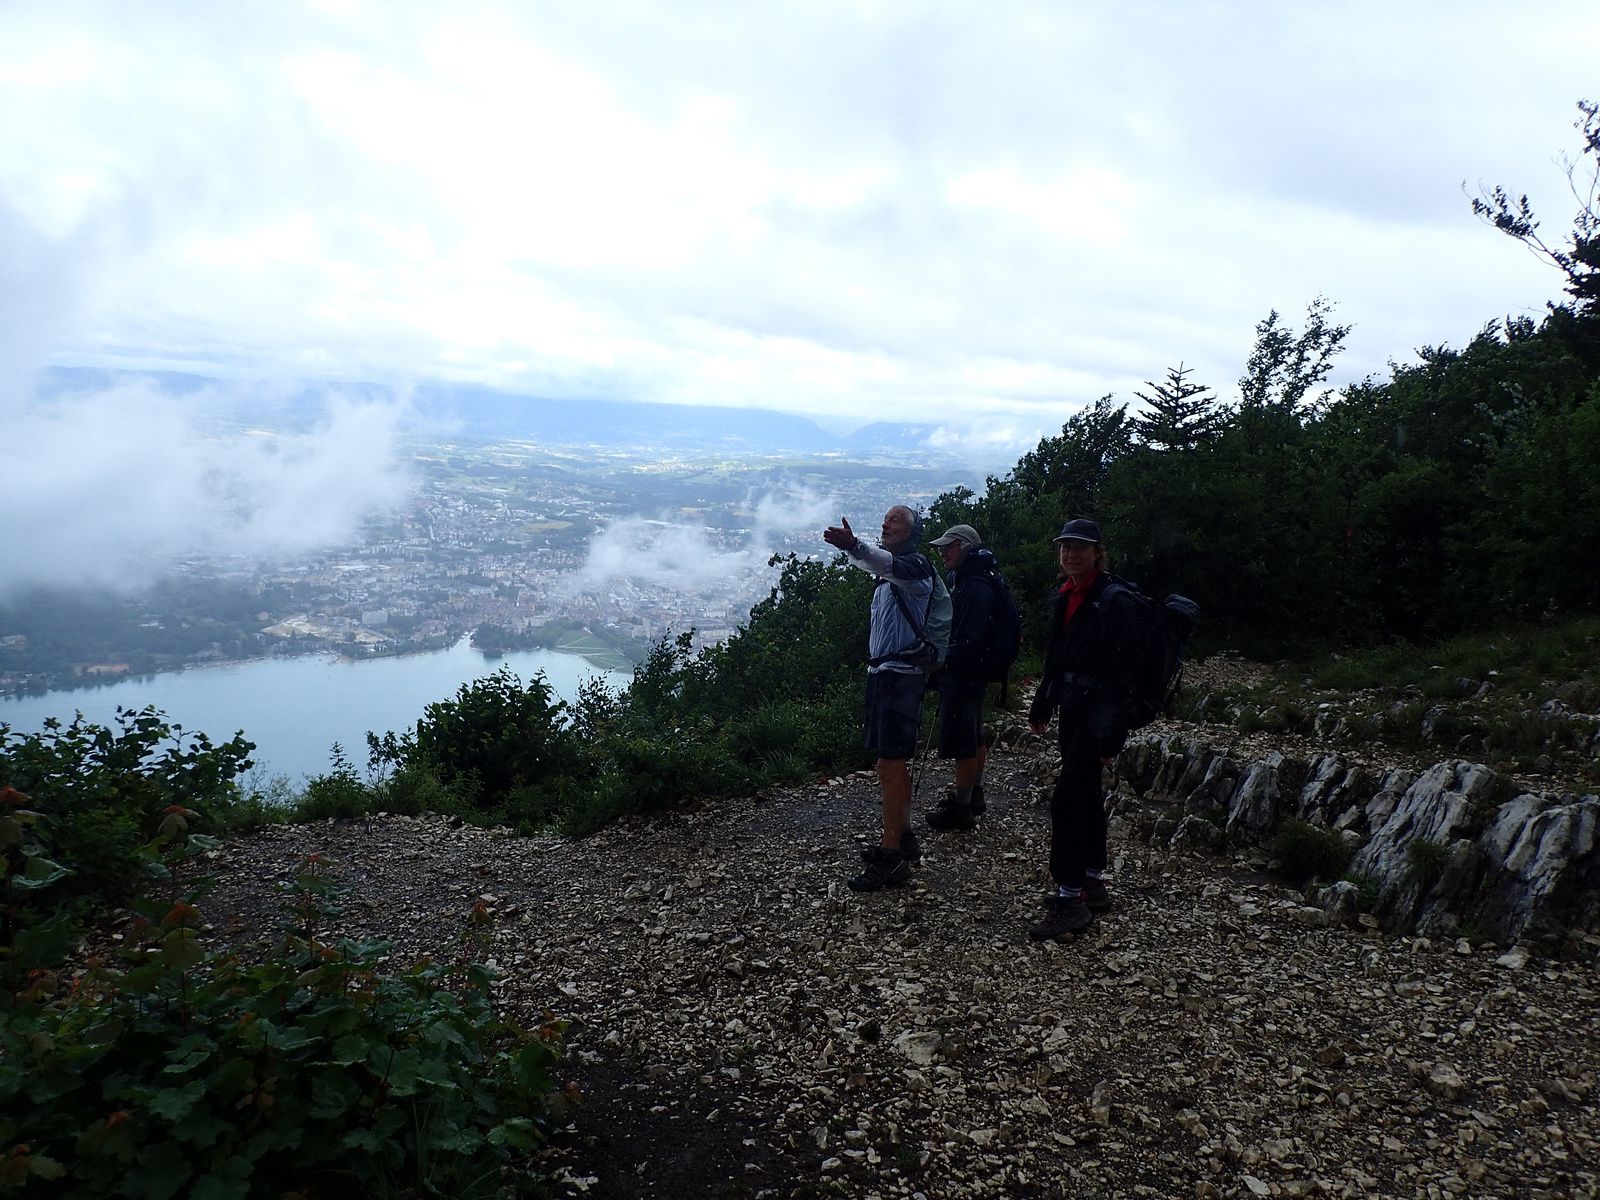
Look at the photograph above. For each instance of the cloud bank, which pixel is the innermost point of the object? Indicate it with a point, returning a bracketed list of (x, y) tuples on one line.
[(853, 211), (108, 488)]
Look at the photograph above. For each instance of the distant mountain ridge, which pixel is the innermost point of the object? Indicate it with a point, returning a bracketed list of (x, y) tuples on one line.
[(483, 413)]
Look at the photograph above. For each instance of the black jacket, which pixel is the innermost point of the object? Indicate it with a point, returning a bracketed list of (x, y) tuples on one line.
[(1086, 665), (972, 597)]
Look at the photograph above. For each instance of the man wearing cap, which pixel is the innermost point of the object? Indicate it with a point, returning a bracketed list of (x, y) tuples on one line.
[(969, 568), (1093, 620), (894, 686)]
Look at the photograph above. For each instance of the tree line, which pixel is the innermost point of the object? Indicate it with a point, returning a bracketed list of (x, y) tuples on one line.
[(1460, 491)]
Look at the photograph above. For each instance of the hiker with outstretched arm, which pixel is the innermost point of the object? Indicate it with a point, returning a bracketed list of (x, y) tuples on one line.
[(1093, 621), (964, 677), (895, 680)]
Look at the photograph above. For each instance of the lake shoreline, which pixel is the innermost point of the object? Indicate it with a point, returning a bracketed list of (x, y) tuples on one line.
[(295, 707), (595, 659)]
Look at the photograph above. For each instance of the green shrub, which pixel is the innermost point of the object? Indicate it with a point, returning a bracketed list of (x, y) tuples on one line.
[(1307, 851), (98, 787), (1368, 890), (606, 801), (496, 736), (415, 789), (191, 1073), (339, 793), (1426, 860)]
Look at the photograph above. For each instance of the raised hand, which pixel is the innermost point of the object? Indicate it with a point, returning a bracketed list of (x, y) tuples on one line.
[(840, 535)]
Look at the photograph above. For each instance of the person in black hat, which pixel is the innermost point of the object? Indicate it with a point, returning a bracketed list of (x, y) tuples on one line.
[(1084, 683), (961, 680)]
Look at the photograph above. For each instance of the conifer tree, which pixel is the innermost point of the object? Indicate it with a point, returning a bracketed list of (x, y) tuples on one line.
[(1182, 415)]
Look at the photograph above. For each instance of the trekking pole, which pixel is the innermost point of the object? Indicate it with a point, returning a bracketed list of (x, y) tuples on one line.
[(927, 744)]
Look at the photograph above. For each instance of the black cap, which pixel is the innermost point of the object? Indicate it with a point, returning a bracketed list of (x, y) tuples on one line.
[(1079, 530)]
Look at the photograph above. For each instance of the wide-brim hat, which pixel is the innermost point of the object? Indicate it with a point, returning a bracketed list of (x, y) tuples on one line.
[(1079, 529)]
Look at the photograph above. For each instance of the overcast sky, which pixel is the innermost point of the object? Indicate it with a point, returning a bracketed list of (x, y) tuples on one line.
[(992, 212)]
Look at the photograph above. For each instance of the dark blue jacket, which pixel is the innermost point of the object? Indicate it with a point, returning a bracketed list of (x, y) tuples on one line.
[(972, 597)]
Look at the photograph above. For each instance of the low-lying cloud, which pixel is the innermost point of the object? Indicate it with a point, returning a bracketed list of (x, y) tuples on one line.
[(695, 559), (108, 488)]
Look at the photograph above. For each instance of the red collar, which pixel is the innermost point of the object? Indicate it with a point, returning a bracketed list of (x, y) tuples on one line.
[(1069, 586), (1076, 595)]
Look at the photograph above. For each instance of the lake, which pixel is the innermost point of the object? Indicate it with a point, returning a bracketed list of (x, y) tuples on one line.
[(294, 709)]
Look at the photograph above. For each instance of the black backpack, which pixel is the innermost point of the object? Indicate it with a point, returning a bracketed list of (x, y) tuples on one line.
[(1003, 638), (1156, 663)]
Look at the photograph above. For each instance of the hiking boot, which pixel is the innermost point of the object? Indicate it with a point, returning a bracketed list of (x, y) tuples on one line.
[(951, 814), (884, 867), (1065, 917), (979, 804), (910, 848), (1095, 896)]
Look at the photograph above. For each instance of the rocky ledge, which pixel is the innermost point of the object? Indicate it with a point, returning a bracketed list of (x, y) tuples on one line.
[(744, 1025), (1452, 848)]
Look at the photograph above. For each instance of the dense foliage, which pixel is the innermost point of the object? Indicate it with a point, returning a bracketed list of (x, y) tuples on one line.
[(1455, 494), (102, 790), (173, 1068)]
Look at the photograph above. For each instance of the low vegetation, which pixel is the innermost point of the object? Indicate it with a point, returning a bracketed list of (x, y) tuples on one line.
[(169, 1066), (1522, 698)]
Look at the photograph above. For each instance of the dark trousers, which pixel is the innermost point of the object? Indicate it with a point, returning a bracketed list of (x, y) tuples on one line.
[(1077, 809)]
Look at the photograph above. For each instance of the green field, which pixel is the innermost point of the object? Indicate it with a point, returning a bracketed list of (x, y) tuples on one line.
[(577, 640)]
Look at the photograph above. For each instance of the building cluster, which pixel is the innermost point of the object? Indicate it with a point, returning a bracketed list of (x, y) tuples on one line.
[(487, 541)]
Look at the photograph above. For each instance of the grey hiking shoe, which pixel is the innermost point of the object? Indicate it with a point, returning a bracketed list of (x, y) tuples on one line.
[(1095, 896), (910, 848), (884, 867), (951, 814), (1065, 917)]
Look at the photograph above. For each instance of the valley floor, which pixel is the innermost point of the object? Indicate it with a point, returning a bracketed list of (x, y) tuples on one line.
[(744, 1025)]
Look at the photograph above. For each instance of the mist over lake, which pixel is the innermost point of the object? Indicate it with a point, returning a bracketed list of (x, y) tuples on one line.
[(294, 709)]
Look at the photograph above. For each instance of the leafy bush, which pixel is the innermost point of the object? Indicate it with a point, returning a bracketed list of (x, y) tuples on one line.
[(414, 789), (496, 736), (1368, 889), (188, 1072), (97, 787), (1307, 851)]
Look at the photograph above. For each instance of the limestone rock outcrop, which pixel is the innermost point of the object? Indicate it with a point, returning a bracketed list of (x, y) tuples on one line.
[(1450, 849)]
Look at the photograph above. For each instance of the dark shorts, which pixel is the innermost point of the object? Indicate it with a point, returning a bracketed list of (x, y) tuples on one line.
[(894, 712), (960, 718)]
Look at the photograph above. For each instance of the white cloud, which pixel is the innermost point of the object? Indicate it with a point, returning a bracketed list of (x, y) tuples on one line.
[(1087, 204), (663, 555), (789, 509), (694, 560), (105, 487), (854, 211)]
